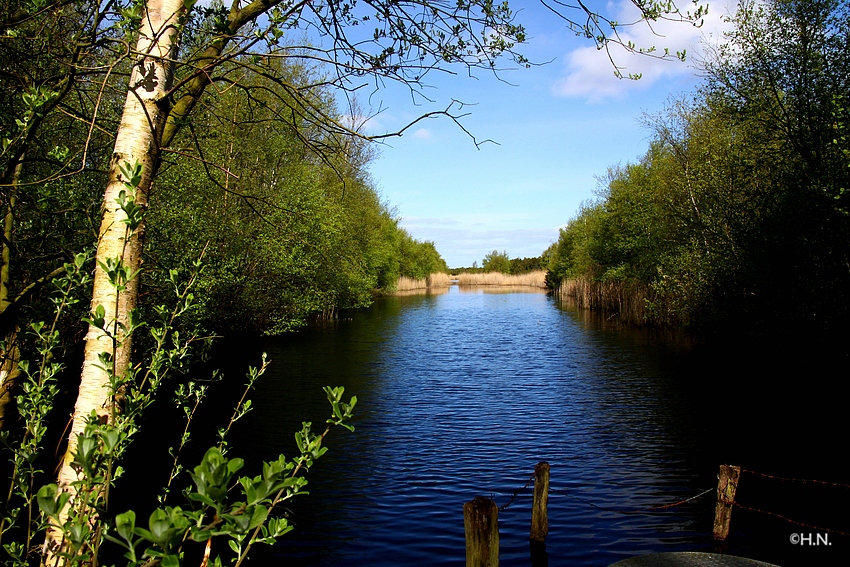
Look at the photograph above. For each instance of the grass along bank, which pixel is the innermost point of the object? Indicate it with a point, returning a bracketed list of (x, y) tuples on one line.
[(632, 303), (435, 280), (536, 278)]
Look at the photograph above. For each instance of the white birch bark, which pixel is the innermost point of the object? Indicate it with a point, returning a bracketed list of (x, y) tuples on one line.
[(137, 141)]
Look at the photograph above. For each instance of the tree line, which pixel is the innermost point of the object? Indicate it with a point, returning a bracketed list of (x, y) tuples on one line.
[(283, 211), (495, 261), (737, 217), (286, 232)]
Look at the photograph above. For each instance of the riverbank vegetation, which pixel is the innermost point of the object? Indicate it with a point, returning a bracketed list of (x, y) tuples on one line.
[(284, 214), (298, 233), (499, 269), (437, 280), (531, 279), (501, 262), (737, 218)]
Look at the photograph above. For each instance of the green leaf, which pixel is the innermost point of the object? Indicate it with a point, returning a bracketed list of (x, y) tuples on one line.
[(258, 517), (51, 500), (125, 524)]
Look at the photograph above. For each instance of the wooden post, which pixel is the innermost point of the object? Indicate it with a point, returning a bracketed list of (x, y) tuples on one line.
[(539, 507), (481, 524), (727, 484)]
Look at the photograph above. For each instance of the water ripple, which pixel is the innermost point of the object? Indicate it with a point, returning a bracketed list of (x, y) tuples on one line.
[(460, 395)]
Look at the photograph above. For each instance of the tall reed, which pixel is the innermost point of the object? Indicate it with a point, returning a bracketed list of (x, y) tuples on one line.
[(630, 302), (436, 280), (530, 279)]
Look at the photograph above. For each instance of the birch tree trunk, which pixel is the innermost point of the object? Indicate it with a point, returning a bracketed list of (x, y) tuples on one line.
[(137, 141)]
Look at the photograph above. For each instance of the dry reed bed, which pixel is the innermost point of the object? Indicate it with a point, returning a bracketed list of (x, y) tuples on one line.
[(627, 301), (531, 279), (436, 280)]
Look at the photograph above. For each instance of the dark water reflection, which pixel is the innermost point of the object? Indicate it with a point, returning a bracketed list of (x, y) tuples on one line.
[(460, 394)]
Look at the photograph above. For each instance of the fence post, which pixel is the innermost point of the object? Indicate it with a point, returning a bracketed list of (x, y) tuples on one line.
[(539, 512), (481, 524), (727, 484)]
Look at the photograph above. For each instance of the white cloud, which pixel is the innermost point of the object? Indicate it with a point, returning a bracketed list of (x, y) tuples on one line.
[(590, 74), (422, 134)]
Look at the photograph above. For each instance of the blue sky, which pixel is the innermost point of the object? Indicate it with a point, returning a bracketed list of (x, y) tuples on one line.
[(558, 126)]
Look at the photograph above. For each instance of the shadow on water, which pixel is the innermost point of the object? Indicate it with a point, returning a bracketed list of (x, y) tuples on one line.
[(461, 393), (772, 407)]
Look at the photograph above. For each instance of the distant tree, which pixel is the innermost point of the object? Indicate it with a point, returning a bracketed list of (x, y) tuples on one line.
[(496, 261), (525, 265)]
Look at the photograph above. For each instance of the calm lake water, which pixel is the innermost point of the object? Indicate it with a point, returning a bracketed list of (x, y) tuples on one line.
[(461, 393)]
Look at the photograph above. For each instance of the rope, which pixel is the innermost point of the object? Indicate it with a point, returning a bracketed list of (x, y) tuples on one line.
[(781, 517), (701, 494), (515, 494), (802, 480), (697, 496), (638, 511)]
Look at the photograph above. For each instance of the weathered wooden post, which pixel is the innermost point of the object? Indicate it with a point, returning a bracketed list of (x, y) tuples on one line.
[(481, 524), (540, 500), (727, 484)]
